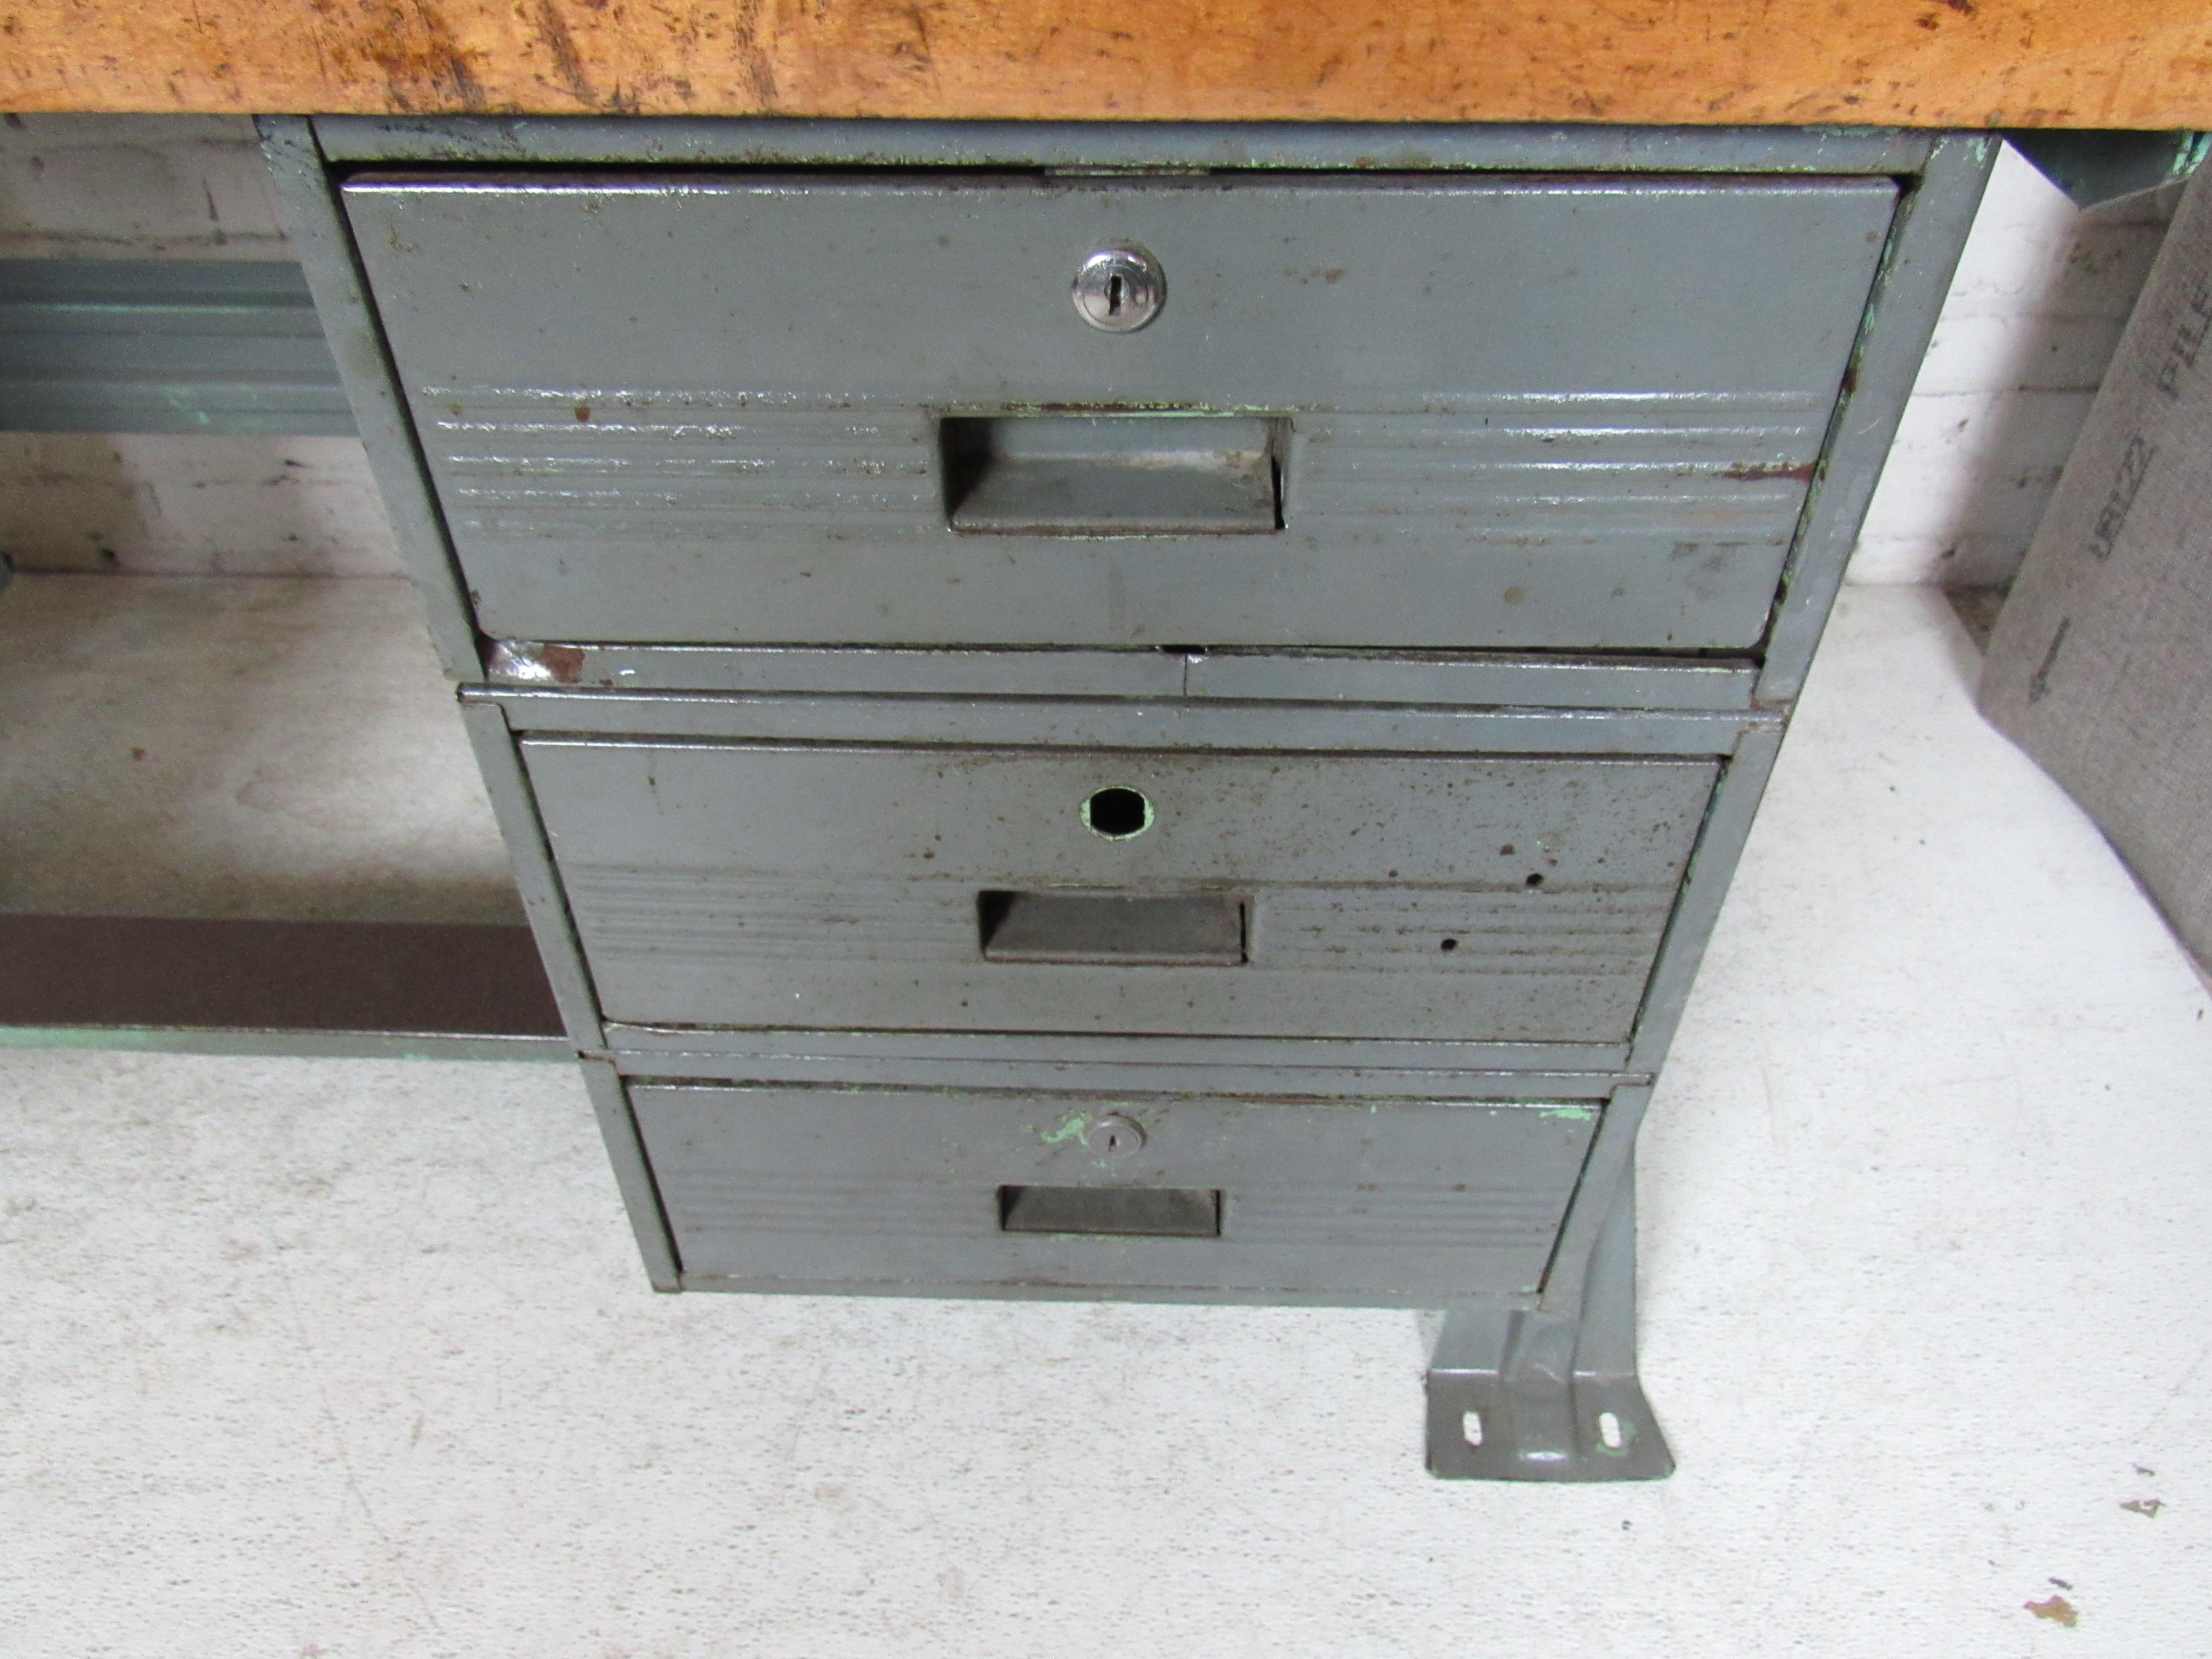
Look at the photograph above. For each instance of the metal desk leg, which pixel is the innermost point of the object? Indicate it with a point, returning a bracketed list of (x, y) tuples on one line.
[(1527, 1395)]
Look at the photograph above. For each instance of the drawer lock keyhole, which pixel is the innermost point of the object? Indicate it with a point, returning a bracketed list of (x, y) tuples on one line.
[(1114, 1136), (1120, 289), (1116, 813)]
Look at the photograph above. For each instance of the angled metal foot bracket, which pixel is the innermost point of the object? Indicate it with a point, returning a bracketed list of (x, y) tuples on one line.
[(1546, 1394)]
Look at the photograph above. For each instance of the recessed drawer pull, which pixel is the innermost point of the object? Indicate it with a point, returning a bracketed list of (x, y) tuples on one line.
[(1185, 930), (1112, 474), (1134, 1211)]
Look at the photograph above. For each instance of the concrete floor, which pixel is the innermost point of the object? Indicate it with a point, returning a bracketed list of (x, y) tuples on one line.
[(338, 1358)]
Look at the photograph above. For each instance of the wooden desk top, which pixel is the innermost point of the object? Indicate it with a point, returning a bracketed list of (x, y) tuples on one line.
[(2143, 64)]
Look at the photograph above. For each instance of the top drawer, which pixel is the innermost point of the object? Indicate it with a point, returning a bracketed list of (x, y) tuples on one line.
[(1541, 413)]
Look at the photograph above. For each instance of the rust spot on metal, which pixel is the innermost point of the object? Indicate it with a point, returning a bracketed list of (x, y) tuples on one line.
[(583, 411), (1757, 472), (565, 663), (2056, 1608)]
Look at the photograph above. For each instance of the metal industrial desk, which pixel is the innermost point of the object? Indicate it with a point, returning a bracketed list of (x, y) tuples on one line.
[(986, 915)]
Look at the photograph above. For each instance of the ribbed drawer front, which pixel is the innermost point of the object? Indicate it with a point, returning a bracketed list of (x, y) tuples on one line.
[(1555, 414), (1369, 1201), (929, 888)]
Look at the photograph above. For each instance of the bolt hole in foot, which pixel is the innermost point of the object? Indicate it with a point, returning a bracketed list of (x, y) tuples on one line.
[(1448, 945), (1117, 814), (1609, 1432), (1470, 1424), (1533, 881)]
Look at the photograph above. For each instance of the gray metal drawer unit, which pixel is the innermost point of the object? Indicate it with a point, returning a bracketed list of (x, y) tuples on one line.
[(847, 886), (1564, 414), (1212, 790), (1405, 1203)]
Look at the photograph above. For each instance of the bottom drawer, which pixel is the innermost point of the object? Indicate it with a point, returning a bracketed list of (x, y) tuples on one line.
[(1387, 1202)]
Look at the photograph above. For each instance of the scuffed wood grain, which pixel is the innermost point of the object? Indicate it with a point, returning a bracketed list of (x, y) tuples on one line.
[(1920, 63)]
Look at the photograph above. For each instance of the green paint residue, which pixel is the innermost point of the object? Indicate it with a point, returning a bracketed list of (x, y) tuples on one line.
[(1572, 1114), (1071, 1129), (283, 1045)]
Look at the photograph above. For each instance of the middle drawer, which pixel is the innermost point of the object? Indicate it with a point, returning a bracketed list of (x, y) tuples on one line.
[(933, 887)]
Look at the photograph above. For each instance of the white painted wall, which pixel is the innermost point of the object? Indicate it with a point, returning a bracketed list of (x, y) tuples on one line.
[(135, 188), (179, 504), (192, 187), (2042, 292), (2032, 318)]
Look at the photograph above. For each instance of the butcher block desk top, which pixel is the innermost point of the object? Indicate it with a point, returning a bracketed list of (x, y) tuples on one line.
[(2092, 63)]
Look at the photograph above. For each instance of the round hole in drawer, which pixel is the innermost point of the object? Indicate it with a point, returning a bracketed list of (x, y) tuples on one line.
[(1117, 813)]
